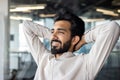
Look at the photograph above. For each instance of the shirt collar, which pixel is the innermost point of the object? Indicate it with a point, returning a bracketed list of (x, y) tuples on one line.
[(63, 56), (66, 55)]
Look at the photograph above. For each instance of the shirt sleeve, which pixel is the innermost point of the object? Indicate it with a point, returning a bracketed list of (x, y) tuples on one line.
[(104, 37), (33, 32)]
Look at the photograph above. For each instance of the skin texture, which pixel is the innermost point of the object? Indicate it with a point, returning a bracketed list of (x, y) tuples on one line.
[(61, 32)]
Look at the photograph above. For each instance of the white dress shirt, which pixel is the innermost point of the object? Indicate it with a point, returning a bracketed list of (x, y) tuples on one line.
[(70, 66)]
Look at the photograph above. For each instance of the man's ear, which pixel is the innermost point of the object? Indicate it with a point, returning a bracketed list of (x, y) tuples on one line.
[(75, 40)]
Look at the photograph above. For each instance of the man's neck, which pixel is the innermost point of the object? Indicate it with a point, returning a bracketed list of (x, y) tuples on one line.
[(57, 56)]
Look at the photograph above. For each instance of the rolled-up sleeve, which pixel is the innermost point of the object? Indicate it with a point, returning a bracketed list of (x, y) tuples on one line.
[(33, 32), (104, 37)]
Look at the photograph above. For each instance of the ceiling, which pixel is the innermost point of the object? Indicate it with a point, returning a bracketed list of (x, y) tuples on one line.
[(84, 8)]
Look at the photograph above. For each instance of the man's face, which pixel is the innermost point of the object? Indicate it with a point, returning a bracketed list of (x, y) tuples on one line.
[(61, 37)]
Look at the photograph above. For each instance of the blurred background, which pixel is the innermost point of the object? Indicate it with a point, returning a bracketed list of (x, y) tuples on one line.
[(16, 62)]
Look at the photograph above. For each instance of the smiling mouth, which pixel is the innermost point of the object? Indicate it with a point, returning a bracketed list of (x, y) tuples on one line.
[(54, 43)]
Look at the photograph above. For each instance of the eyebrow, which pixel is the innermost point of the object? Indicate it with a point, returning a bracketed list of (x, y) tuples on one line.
[(60, 29)]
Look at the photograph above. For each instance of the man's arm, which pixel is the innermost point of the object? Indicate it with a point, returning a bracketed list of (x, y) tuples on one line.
[(104, 37), (81, 43), (32, 33)]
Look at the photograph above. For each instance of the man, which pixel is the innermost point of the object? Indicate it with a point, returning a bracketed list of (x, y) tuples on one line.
[(68, 36)]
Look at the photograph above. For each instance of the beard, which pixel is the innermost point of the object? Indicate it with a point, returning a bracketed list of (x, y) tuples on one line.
[(60, 50)]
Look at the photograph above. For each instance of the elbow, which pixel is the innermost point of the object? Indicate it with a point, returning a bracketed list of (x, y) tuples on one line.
[(25, 24), (114, 27)]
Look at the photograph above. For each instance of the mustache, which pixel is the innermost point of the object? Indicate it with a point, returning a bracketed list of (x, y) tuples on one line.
[(56, 41)]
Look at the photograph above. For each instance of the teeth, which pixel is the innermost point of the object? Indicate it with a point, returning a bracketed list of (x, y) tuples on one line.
[(55, 43)]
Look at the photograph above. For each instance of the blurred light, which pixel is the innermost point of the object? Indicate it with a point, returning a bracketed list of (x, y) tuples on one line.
[(47, 15), (28, 7), (19, 10), (92, 20), (20, 18), (118, 10), (104, 10), (112, 14), (107, 12)]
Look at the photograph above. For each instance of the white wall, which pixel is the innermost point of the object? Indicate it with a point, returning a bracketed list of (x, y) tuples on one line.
[(14, 30)]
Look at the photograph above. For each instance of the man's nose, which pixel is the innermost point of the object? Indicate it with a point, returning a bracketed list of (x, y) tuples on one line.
[(54, 35)]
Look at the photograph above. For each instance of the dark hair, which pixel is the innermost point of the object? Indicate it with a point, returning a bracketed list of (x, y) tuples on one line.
[(77, 24)]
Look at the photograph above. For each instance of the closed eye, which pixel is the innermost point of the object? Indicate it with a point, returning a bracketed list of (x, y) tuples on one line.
[(61, 32), (52, 30)]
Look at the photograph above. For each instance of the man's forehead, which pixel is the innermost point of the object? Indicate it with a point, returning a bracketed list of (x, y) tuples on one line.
[(60, 28)]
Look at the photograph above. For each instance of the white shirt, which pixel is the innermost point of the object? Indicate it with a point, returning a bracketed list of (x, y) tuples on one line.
[(69, 66)]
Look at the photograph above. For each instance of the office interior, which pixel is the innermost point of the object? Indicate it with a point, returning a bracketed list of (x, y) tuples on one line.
[(15, 58)]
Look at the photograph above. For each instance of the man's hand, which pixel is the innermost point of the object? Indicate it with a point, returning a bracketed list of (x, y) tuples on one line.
[(81, 43)]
